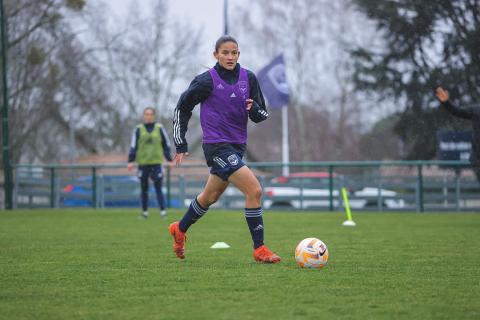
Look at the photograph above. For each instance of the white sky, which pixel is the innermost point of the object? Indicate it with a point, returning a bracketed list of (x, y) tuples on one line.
[(206, 15), (202, 14)]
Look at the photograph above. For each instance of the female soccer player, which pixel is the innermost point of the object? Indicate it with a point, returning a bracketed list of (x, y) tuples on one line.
[(150, 144), (472, 114), (229, 95)]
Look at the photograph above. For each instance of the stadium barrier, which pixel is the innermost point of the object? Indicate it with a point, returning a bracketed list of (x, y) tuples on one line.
[(372, 185)]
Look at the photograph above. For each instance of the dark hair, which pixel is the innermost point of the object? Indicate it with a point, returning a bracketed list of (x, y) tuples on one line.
[(223, 39), (149, 108)]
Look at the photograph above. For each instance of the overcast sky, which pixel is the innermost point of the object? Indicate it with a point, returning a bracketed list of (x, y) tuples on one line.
[(202, 14)]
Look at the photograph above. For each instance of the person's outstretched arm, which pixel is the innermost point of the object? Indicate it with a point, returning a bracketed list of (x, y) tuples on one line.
[(443, 96)]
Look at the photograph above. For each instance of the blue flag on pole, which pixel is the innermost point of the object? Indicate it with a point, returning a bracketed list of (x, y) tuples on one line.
[(273, 82)]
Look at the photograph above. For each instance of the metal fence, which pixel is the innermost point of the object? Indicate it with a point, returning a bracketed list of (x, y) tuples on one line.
[(372, 185)]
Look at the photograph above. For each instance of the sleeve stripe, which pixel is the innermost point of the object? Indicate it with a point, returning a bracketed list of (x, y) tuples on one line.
[(176, 128), (178, 135), (133, 142)]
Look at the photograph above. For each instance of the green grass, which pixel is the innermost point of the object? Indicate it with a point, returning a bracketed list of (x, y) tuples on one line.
[(107, 264)]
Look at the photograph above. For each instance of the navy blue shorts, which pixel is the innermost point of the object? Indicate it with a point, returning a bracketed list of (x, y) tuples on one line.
[(152, 171), (224, 158)]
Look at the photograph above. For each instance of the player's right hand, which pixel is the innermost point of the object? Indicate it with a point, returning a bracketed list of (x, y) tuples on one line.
[(130, 166), (442, 94), (179, 158)]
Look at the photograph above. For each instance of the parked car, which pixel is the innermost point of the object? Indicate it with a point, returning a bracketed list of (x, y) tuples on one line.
[(312, 189), (114, 191)]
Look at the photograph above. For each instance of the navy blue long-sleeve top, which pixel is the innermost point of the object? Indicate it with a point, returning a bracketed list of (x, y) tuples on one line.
[(200, 89), (165, 142), (473, 114)]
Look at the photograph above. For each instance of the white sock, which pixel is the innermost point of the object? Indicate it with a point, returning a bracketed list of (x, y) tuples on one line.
[(163, 213), (145, 213)]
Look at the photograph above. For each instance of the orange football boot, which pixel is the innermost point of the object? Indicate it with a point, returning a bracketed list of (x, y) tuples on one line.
[(179, 238), (263, 254)]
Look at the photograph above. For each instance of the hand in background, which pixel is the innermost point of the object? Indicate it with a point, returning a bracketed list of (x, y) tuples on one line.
[(442, 94)]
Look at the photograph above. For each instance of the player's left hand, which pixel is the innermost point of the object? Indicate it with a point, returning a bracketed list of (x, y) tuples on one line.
[(249, 104), (178, 158)]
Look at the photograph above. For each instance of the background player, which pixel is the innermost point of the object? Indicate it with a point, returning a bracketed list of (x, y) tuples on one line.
[(472, 114), (150, 144)]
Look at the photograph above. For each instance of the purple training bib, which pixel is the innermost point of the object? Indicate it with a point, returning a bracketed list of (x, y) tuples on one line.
[(224, 114)]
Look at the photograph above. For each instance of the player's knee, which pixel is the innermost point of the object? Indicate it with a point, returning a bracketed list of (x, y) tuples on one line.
[(255, 193), (214, 196), (208, 199)]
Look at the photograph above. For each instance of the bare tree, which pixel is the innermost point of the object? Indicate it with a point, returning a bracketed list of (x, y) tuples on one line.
[(148, 61), (69, 74), (48, 73), (314, 37)]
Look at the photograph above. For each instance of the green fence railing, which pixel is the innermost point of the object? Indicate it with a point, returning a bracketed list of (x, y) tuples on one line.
[(48, 185)]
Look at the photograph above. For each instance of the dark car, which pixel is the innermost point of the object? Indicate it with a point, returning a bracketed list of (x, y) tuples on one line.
[(111, 191)]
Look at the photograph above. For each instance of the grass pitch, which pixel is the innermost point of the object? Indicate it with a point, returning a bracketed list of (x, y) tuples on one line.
[(107, 264)]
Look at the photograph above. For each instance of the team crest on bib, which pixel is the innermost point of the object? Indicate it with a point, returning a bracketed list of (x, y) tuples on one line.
[(233, 159), (242, 85)]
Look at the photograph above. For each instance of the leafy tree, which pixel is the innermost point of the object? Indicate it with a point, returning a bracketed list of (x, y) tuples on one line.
[(425, 44), (380, 142)]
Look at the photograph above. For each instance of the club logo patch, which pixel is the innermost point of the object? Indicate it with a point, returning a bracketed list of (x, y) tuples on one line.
[(242, 85), (233, 159)]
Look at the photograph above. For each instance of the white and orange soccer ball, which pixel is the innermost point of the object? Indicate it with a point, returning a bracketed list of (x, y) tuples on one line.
[(311, 253)]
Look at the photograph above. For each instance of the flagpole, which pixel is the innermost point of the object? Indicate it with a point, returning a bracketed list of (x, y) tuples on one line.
[(273, 80), (225, 16), (285, 146)]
